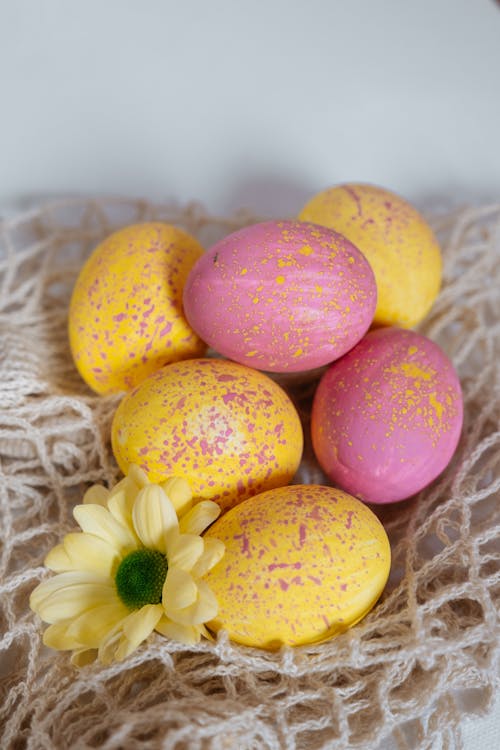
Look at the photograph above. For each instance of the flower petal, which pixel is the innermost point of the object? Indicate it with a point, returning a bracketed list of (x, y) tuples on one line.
[(58, 560), (138, 625), (108, 646), (205, 608), (181, 633), (138, 476), (91, 627), (83, 657), (179, 493), (121, 502), (90, 553), (154, 517), (56, 636), (67, 595), (213, 552), (184, 550), (199, 517), (94, 519), (127, 635), (204, 632), (96, 495), (179, 590)]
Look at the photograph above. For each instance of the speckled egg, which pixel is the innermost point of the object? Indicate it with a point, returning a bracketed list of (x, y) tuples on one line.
[(396, 240), (126, 318), (302, 564), (281, 296), (386, 419), (230, 431)]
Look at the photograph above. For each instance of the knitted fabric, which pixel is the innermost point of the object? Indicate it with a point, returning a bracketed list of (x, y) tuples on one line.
[(409, 671)]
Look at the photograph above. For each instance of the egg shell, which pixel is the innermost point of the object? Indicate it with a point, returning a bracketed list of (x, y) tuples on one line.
[(281, 296), (397, 241), (125, 317), (302, 563), (230, 431), (386, 419)]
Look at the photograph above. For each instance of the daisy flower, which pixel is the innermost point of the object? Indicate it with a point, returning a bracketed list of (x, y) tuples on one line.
[(135, 567)]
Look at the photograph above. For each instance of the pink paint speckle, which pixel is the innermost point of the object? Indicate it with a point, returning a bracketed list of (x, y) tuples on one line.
[(275, 566), (166, 329), (245, 544), (302, 534)]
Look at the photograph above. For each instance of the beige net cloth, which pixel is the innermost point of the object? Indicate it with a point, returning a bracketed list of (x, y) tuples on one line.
[(408, 671)]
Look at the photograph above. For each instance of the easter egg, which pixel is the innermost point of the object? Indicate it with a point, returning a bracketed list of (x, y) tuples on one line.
[(281, 296), (230, 431), (301, 564), (125, 317), (396, 240), (386, 419)]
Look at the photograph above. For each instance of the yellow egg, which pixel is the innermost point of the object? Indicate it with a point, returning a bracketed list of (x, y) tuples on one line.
[(396, 240), (126, 317), (227, 429), (302, 564)]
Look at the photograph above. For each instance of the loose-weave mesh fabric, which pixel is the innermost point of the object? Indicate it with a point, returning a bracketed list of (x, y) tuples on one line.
[(406, 671)]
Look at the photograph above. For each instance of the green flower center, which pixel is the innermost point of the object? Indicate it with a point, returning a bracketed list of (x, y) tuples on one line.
[(140, 578)]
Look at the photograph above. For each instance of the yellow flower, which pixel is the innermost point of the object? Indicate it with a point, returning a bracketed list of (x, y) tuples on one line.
[(134, 568)]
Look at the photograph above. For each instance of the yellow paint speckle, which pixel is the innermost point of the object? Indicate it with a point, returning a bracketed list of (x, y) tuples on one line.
[(255, 300), (243, 271), (436, 405), (306, 250), (280, 279), (410, 370), (298, 353)]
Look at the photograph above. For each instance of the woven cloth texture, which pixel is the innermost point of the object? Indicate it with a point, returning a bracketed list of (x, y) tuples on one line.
[(408, 672)]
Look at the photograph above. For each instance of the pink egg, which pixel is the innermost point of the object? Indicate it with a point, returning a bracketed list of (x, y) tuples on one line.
[(283, 296), (386, 418)]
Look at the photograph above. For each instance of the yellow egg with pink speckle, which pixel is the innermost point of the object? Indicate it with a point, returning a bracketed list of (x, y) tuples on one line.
[(302, 564), (395, 239), (227, 429), (126, 317)]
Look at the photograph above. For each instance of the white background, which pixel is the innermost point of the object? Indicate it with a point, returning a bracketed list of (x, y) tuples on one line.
[(255, 104)]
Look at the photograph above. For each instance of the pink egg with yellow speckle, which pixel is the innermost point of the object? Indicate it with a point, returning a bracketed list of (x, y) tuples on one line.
[(386, 419), (230, 431), (301, 564), (282, 296)]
